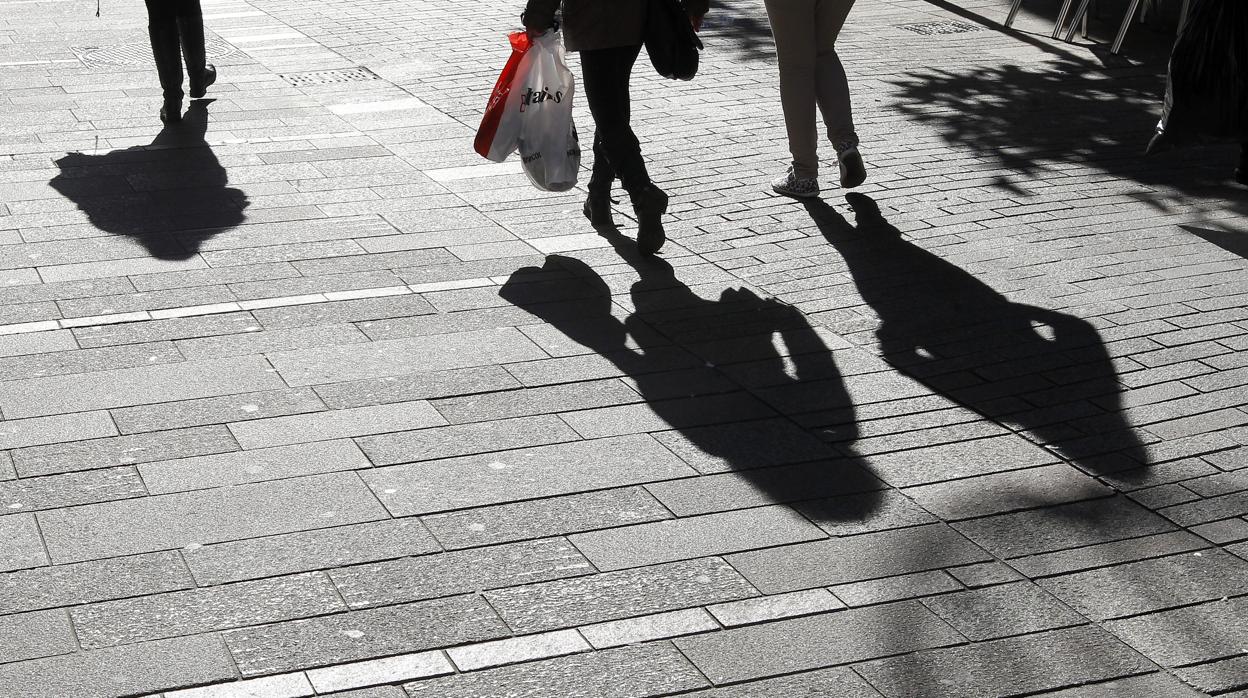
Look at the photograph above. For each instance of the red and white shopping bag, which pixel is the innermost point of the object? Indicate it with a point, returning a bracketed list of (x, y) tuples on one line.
[(499, 133)]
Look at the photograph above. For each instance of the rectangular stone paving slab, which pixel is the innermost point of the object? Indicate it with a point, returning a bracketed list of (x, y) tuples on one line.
[(207, 516), (123, 450), (86, 582), (257, 465), (1049, 660), (840, 682), (814, 642), (36, 634), (495, 478), (627, 672), (335, 424), (23, 546), (377, 632)]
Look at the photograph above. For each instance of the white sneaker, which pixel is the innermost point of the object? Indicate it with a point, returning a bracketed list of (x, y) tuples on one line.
[(797, 187)]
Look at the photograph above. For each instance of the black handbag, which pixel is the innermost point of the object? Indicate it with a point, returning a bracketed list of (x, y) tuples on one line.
[(672, 43)]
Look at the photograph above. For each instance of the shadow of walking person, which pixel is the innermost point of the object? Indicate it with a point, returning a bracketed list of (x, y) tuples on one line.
[(170, 195), (727, 418), (1047, 373)]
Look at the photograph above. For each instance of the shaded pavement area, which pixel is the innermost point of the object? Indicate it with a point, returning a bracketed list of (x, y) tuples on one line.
[(301, 397)]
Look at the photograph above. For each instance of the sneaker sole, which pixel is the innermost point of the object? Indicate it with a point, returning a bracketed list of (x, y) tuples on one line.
[(794, 194)]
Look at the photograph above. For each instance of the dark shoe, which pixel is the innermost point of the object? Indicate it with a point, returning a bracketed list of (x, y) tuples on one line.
[(598, 207), (200, 87), (171, 111), (853, 170), (650, 204)]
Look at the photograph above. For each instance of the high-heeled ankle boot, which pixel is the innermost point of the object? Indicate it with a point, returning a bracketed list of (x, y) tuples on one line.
[(650, 203), (168, 56), (200, 73)]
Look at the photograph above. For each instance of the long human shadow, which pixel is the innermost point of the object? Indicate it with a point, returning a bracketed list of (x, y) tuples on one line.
[(1047, 373), (719, 426), (170, 195)]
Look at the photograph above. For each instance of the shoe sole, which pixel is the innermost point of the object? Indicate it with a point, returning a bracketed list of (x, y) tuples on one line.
[(794, 194)]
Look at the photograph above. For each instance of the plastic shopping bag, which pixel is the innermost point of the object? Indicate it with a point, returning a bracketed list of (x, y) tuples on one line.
[(499, 133), (1207, 88), (549, 149)]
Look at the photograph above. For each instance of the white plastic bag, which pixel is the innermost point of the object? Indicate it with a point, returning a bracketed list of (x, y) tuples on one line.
[(549, 149)]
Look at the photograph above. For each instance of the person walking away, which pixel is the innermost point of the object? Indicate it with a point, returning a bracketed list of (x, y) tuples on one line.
[(608, 34), (176, 28), (811, 75)]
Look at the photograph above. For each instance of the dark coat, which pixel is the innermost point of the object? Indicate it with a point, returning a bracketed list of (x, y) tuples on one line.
[(595, 24)]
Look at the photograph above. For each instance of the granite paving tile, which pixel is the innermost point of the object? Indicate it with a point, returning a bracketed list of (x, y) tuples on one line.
[(7, 472), (508, 476), (997, 493), (36, 292), (1218, 677), (197, 611), (256, 465), (403, 356), (290, 553), (517, 649), (171, 329), (282, 686), (356, 635), (207, 516), (71, 489), (681, 413), (338, 312), (130, 670), (692, 537), (123, 450), (626, 672), (614, 595), (760, 486), (415, 386), (1048, 660), (855, 558), (457, 572), (213, 277), (898, 588), (216, 410), (135, 386), (658, 626), (1065, 526), (838, 682), (23, 546), (595, 367), (343, 264), (335, 424), (464, 439), (1206, 510), (37, 343), (984, 574), (725, 447), (584, 511), (269, 341), (1159, 685), (295, 252), (775, 607), (814, 642), (35, 634), (87, 582), (957, 460), (145, 300), (1190, 635), (445, 323), (1152, 585), (868, 512), (374, 692), (62, 363), (39, 431), (534, 401), (305, 285), (394, 669), (1001, 611)]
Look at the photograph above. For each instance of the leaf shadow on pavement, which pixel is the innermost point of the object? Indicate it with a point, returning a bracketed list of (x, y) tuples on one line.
[(1047, 373), (1039, 120), (712, 372), (170, 196)]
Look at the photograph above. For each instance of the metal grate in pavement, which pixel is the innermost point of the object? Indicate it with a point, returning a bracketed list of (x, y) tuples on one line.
[(328, 77), (936, 28), (138, 53)]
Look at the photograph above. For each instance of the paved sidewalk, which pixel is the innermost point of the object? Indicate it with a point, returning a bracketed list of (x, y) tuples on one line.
[(304, 398)]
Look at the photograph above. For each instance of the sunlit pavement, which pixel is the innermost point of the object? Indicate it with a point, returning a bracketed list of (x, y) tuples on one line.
[(303, 397)]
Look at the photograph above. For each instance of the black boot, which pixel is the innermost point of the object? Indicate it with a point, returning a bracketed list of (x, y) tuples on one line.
[(200, 74), (650, 203), (598, 203), (168, 57)]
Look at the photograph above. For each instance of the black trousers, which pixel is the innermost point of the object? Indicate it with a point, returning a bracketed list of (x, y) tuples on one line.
[(617, 153), (176, 28)]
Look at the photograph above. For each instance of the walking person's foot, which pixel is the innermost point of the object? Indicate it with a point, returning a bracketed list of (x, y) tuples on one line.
[(650, 204), (171, 111), (789, 184), (598, 208), (853, 170), (200, 87)]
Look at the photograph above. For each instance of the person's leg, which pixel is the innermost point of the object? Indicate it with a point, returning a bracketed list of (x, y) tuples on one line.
[(162, 29), (1241, 172), (191, 30), (792, 26), (832, 90), (606, 75), (598, 203)]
